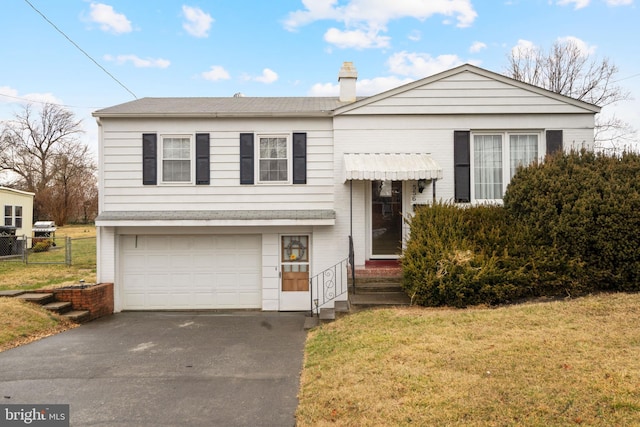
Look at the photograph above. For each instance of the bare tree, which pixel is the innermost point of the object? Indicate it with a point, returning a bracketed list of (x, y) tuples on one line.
[(569, 70), (41, 149)]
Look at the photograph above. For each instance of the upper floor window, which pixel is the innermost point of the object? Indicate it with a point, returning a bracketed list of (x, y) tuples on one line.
[(496, 157), (274, 155), (17, 210), (176, 159), (13, 216), (8, 215)]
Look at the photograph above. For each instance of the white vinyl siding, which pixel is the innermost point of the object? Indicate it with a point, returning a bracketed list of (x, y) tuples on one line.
[(121, 168)]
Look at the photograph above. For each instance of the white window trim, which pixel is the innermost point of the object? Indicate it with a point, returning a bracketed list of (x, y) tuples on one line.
[(289, 137), (506, 168), (192, 154)]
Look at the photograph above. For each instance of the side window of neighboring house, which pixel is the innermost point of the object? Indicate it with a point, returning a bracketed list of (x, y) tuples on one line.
[(18, 216), (176, 159), (485, 162), (279, 158), (8, 215)]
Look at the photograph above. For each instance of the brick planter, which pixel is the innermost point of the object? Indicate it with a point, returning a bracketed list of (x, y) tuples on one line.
[(97, 299)]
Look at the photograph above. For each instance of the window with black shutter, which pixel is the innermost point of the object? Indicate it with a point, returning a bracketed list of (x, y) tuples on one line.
[(462, 166), (149, 159), (202, 159)]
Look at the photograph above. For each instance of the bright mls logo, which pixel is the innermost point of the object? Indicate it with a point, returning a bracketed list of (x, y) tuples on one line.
[(34, 415)]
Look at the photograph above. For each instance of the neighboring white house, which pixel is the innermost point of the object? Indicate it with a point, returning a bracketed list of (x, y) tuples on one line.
[(17, 219), (210, 203)]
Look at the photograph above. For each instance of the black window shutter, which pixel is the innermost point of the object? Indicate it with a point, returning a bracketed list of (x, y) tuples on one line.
[(554, 141), (462, 165), (246, 158), (299, 158), (202, 159), (149, 161)]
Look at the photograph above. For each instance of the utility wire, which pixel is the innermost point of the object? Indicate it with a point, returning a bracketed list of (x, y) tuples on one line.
[(20, 98), (80, 49)]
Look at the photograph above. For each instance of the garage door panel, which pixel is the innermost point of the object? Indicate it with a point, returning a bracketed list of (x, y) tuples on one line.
[(183, 272)]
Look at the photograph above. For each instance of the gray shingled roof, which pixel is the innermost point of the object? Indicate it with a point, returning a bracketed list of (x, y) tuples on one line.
[(224, 107)]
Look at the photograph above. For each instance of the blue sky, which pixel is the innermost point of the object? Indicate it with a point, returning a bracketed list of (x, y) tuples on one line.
[(284, 47)]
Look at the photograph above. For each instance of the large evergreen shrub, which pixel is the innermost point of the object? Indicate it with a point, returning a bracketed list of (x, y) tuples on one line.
[(587, 207), (569, 226)]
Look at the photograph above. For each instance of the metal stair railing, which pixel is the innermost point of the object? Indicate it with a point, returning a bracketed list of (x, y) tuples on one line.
[(327, 285)]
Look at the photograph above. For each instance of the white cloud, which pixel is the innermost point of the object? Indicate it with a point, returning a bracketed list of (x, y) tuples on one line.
[(216, 73), (365, 19), (379, 12), (109, 19), (197, 22), (523, 48), (139, 62), (365, 87), (619, 2), (268, 76), (415, 36), (477, 47), (9, 95), (579, 4), (355, 39), (421, 65), (582, 46)]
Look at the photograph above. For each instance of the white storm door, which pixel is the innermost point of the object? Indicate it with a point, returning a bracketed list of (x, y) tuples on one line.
[(294, 273)]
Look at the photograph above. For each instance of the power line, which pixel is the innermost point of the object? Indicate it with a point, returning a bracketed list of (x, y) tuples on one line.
[(46, 102), (627, 78), (80, 49)]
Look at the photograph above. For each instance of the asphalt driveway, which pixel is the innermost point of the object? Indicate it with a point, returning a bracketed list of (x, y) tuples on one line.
[(165, 369)]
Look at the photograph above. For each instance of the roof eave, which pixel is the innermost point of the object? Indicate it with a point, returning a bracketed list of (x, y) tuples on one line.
[(285, 114)]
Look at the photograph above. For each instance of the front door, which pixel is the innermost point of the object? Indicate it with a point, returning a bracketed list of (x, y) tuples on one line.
[(294, 273), (386, 219)]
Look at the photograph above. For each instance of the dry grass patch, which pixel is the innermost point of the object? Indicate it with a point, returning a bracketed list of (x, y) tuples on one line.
[(558, 363), (23, 322)]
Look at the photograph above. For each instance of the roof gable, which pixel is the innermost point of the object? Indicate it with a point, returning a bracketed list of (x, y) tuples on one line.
[(467, 89)]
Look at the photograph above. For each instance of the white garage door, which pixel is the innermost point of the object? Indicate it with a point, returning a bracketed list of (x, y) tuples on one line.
[(190, 272)]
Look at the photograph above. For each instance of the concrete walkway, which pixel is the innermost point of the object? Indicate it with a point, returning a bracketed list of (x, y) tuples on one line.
[(165, 369)]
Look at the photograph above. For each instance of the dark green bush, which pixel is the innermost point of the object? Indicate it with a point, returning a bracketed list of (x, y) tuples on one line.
[(461, 257), (569, 226), (41, 245), (587, 207)]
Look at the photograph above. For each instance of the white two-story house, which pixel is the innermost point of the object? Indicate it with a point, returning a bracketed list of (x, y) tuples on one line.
[(231, 203)]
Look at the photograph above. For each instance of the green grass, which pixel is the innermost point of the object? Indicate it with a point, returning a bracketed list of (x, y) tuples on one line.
[(14, 274), (540, 364)]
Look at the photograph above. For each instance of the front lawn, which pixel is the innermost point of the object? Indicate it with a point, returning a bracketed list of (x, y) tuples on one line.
[(23, 322), (539, 364)]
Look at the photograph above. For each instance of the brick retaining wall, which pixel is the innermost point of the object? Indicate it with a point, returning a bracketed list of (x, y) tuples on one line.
[(97, 299)]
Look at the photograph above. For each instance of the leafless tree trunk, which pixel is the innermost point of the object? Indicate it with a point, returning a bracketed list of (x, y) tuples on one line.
[(41, 148), (569, 71)]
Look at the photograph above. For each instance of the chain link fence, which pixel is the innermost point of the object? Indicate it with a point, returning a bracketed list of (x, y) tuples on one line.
[(48, 250)]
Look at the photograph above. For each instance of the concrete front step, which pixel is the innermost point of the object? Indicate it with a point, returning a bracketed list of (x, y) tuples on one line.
[(376, 299), (373, 287), (11, 293), (76, 315), (36, 297), (59, 307)]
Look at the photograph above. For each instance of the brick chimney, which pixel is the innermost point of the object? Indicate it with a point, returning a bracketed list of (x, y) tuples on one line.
[(347, 78)]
